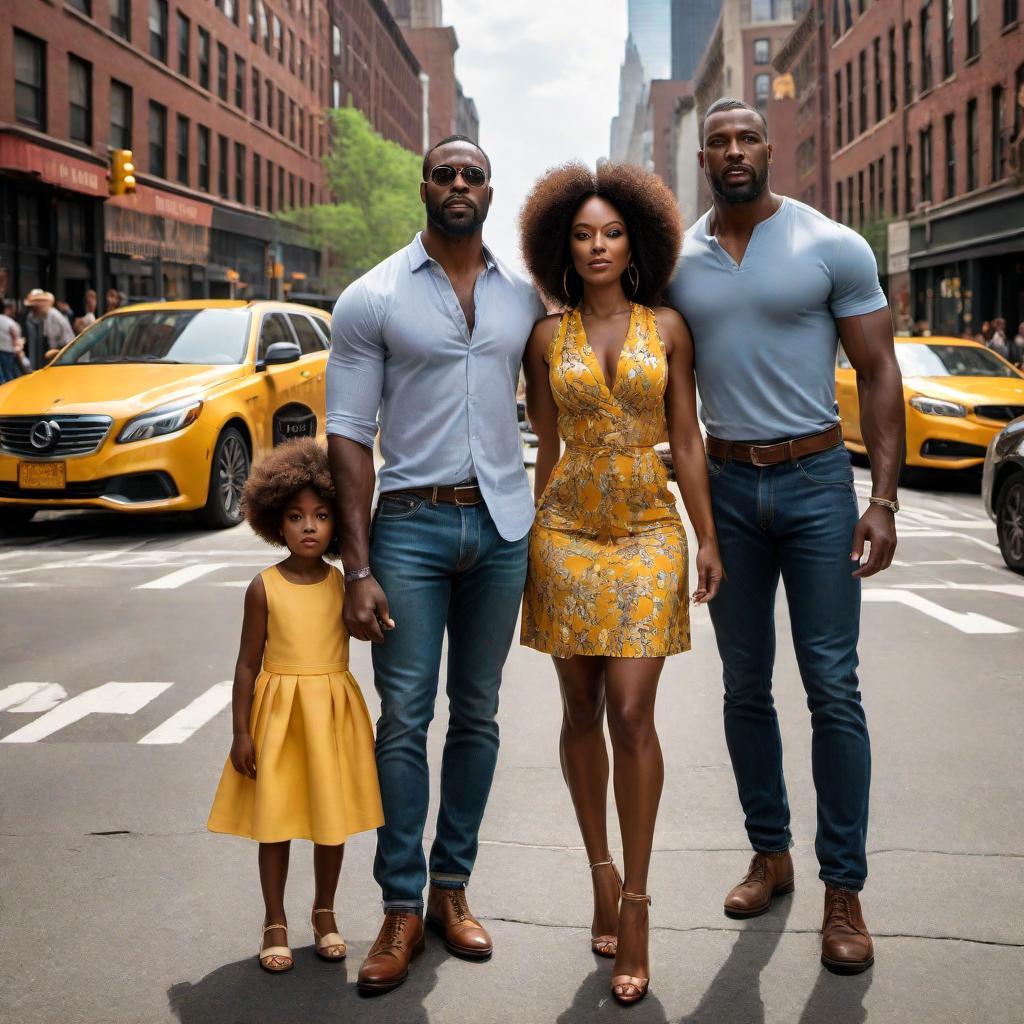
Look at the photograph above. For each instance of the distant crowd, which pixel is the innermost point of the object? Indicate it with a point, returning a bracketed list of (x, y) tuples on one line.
[(43, 323), (994, 335)]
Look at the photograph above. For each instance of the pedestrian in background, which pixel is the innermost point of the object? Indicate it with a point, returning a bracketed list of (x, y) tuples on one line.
[(1017, 347), (301, 763), (45, 327), (10, 336), (998, 342), (89, 316), (114, 300)]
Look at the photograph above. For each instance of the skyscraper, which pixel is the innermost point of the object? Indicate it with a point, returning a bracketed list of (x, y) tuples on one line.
[(650, 26), (693, 21)]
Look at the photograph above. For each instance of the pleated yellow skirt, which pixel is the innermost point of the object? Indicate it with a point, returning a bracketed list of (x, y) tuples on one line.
[(316, 777)]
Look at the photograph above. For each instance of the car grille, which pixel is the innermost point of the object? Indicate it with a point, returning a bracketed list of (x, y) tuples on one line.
[(1003, 413), (79, 435), (127, 489)]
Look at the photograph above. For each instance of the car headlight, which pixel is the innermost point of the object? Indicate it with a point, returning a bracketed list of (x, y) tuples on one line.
[(167, 420), (937, 407)]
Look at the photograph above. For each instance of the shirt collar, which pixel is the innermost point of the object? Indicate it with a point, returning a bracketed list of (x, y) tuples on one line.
[(418, 256)]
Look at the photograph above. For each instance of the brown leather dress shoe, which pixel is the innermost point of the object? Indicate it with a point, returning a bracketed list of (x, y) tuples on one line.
[(387, 964), (846, 946), (769, 875), (448, 914)]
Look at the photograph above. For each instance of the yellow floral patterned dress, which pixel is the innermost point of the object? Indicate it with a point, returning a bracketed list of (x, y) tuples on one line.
[(608, 556)]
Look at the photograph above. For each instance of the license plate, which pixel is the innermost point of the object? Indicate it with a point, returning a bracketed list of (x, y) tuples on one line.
[(42, 475)]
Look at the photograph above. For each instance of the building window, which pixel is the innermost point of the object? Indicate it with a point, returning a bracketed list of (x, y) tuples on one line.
[(270, 186), (876, 51), (204, 58), (79, 100), (762, 90), (949, 129), (335, 93), (839, 110), (849, 200), (848, 15), (291, 120), (1009, 12), (860, 199), (881, 187), (926, 47), (254, 27), (925, 154), (120, 115), (278, 40), (972, 145), (291, 191), (291, 51), (862, 67), (908, 180), (222, 71), (158, 29), (222, 166), (29, 80), (973, 28), (257, 182), (762, 10), (849, 101), (121, 18), (182, 142), (947, 37), (203, 155), (264, 27), (908, 65), (239, 172), (893, 100), (230, 9), (1018, 107), (270, 104), (762, 51), (336, 41), (839, 201), (837, 28), (871, 192), (998, 142), (280, 111), (894, 180), (280, 188), (157, 139), (257, 96), (302, 60), (239, 82), (184, 44)]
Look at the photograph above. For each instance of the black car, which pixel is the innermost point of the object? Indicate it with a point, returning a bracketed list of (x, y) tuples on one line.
[(1002, 490)]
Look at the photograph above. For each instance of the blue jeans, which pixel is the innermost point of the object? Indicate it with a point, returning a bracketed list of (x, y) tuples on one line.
[(441, 567), (796, 520)]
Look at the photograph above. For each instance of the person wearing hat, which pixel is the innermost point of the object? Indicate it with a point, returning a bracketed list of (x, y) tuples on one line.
[(45, 327)]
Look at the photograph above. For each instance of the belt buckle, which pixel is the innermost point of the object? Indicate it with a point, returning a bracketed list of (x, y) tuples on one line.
[(463, 487), (754, 449)]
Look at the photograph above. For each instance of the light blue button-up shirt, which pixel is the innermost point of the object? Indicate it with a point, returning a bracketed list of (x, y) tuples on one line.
[(445, 399)]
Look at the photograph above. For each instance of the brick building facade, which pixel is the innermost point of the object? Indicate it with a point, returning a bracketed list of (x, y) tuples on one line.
[(220, 104)]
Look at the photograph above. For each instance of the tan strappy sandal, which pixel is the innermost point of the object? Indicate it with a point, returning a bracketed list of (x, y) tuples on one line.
[(626, 989), (275, 953), (605, 945), (329, 941)]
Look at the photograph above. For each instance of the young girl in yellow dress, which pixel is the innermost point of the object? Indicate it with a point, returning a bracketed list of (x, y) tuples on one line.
[(301, 763)]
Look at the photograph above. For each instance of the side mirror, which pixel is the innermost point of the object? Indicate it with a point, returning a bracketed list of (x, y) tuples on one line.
[(278, 353)]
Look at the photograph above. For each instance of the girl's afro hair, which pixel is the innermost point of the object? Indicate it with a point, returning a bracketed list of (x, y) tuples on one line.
[(277, 478), (646, 204)]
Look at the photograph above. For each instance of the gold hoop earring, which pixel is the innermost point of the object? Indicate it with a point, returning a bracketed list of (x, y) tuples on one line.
[(634, 277), (565, 283)]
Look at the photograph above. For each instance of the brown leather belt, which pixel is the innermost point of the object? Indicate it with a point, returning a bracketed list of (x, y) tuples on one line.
[(773, 454), (454, 494)]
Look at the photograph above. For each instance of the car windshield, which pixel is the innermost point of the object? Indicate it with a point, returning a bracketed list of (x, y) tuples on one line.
[(203, 336), (950, 361)]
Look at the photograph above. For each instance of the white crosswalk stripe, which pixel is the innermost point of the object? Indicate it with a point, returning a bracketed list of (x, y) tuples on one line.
[(192, 717), (180, 577), (965, 622)]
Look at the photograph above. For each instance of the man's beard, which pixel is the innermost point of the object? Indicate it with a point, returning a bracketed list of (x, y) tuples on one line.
[(745, 193), (441, 219)]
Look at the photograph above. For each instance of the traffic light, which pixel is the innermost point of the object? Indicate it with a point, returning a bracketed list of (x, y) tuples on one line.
[(122, 172)]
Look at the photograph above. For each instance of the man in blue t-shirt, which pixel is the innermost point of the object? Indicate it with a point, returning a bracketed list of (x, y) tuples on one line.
[(767, 286)]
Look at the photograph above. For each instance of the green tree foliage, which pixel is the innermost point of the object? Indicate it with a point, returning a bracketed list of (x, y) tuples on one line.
[(378, 208)]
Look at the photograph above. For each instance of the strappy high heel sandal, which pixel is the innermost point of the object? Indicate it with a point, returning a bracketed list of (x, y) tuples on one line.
[(606, 945), (270, 957), (627, 989), (327, 943)]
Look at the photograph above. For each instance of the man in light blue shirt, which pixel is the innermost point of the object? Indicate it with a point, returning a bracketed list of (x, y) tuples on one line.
[(429, 343), (767, 286)]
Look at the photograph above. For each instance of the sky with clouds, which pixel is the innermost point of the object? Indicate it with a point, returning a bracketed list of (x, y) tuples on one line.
[(545, 78)]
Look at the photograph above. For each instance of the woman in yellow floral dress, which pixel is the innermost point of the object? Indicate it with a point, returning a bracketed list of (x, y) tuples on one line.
[(606, 592)]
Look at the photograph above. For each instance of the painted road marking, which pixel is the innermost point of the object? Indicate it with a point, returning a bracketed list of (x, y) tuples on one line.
[(108, 699), (965, 622), (1009, 589), (180, 577), (17, 693), (193, 716), (47, 697)]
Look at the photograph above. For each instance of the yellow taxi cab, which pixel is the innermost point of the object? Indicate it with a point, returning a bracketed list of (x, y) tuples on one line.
[(162, 407), (958, 395)]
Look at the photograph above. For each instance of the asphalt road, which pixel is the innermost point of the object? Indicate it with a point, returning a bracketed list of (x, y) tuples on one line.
[(117, 906)]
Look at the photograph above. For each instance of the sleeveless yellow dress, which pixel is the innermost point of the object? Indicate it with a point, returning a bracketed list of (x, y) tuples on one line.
[(608, 555), (316, 777)]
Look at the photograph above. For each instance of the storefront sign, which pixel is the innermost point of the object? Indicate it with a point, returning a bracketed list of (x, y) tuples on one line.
[(899, 247), (52, 167), (167, 205)]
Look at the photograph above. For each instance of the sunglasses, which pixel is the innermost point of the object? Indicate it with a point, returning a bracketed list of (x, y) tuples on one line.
[(445, 174)]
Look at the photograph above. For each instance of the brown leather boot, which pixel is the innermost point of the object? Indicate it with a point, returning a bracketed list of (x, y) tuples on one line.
[(846, 946), (448, 913), (769, 874), (387, 964)]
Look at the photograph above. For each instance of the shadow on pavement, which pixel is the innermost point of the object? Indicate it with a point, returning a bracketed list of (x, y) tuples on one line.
[(314, 991), (838, 1000), (595, 994), (734, 996)]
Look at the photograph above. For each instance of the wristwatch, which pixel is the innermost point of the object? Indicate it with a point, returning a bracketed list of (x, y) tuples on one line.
[(357, 574), (892, 506)]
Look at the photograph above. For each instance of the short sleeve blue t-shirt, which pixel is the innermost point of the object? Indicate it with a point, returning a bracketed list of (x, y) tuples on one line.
[(764, 331)]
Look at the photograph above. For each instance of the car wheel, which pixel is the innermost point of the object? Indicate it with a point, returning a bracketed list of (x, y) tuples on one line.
[(228, 472), (14, 519), (1010, 522)]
